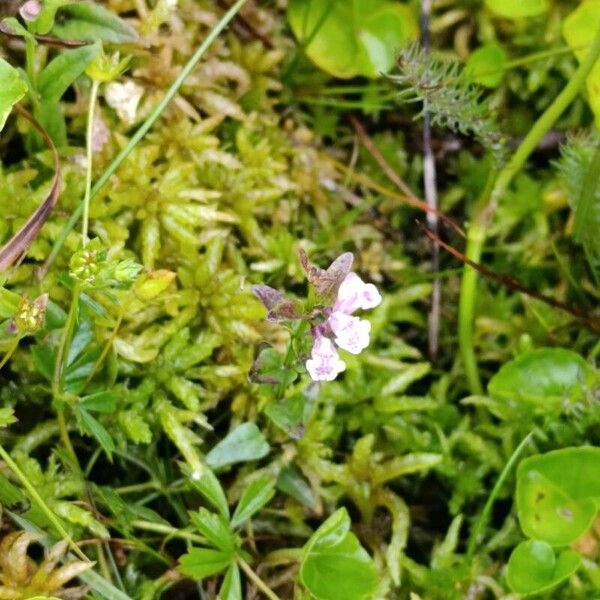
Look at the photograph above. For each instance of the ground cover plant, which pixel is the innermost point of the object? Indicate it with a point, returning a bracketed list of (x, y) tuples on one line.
[(299, 299)]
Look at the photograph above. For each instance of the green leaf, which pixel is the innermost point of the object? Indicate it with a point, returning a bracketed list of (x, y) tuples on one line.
[(579, 29), (215, 529), (88, 21), (243, 444), (291, 482), (43, 24), (291, 414), (7, 417), (255, 496), (543, 376), (517, 9), (269, 368), (91, 426), (208, 485), (231, 589), (200, 563), (102, 402), (558, 494), (12, 89), (533, 567), (9, 494), (347, 39), (486, 65), (63, 70), (335, 566)]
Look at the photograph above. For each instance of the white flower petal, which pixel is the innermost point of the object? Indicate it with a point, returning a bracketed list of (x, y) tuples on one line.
[(124, 98), (354, 293), (325, 363), (352, 333)]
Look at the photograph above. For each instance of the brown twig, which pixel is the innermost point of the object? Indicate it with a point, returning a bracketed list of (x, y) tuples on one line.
[(241, 22), (18, 245), (590, 321)]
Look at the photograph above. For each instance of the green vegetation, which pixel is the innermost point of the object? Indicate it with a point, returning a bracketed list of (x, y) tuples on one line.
[(224, 373)]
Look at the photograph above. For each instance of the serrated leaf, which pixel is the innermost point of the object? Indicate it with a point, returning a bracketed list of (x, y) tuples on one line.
[(88, 21), (215, 529), (200, 563), (91, 426), (244, 443), (12, 89), (255, 496)]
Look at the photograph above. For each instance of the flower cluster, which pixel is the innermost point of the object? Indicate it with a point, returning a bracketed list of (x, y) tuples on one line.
[(349, 332)]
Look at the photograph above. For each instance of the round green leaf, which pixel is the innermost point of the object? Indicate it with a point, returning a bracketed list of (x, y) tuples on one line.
[(558, 494), (534, 568), (486, 65), (579, 29), (335, 566), (517, 9), (347, 39), (545, 375)]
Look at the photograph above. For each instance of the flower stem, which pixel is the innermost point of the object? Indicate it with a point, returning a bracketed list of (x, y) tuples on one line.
[(477, 232), (88, 163), (144, 128), (256, 580)]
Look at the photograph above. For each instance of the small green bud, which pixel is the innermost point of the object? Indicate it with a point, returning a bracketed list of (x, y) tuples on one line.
[(86, 263), (105, 68)]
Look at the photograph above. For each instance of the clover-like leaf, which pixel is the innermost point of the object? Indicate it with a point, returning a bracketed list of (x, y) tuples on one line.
[(335, 566), (533, 567)]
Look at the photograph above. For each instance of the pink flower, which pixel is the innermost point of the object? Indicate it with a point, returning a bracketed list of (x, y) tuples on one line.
[(325, 363), (351, 333)]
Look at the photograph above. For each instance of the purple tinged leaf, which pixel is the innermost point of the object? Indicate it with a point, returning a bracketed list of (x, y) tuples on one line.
[(327, 282)]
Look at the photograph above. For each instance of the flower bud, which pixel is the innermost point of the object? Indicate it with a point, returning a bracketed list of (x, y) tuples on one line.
[(30, 11), (29, 317)]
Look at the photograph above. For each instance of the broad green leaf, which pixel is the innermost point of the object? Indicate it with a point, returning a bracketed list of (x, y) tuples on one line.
[(579, 29), (199, 563), (215, 529), (347, 39), (63, 70), (231, 588), (486, 65), (208, 485), (268, 368), (102, 402), (291, 482), (89, 21), (543, 376), (91, 426), (517, 9), (12, 89), (335, 566), (243, 444), (255, 496), (290, 414), (533, 567), (558, 494)]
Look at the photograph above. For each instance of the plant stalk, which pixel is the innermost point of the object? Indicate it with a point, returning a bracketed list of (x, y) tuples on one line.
[(477, 232), (88, 164), (256, 580)]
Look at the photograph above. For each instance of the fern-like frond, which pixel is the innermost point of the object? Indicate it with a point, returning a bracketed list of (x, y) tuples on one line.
[(451, 100)]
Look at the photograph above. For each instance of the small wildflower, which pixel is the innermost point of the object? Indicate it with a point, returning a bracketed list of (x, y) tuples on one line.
[(30, 315), (124, 98), (30, 11), (351, 333), (325, 363)]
